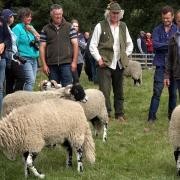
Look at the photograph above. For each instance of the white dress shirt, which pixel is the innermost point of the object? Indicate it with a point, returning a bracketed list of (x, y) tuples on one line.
[(116, 46)]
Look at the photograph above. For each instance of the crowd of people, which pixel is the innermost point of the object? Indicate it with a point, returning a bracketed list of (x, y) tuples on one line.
[(63, 50), (145, 43)]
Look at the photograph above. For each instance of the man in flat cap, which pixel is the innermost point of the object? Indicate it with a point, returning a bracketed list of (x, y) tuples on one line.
[(111, 45)]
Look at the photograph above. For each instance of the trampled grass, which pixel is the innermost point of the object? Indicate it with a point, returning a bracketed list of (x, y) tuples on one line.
[(135, 150)]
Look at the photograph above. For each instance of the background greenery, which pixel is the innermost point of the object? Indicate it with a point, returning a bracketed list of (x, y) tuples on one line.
[(139, 14), (134, 151)]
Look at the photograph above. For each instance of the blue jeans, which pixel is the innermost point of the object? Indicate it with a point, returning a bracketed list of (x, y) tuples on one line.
[(94, 70), (2, 78), (178, 86), (30, 70), (157, 91), (61, 74)]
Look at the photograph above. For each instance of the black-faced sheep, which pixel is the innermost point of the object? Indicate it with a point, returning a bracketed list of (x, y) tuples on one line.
[(174, 135), (95, 109), (21, 98), (134, 70), (26, 130)]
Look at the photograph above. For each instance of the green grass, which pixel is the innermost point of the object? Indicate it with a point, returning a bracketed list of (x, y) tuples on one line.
[(130, 153)]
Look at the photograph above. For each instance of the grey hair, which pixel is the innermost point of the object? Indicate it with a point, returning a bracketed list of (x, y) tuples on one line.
[(55, 6), (107, 14)]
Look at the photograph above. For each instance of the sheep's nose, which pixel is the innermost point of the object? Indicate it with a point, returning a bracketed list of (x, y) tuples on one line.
[(85, 99)]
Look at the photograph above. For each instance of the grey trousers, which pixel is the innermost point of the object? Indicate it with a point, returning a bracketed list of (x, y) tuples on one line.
[(108, 77)]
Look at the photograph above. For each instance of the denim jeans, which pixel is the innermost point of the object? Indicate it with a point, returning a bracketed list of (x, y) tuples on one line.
[(94, 70), (178, 86), (157, 91), (15, 77), (30, 70), (61, 74), (2, 77)]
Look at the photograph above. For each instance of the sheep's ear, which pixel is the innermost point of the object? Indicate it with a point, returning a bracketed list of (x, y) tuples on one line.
[(59, 86), (68, 89), (42, 83), (53, 83)]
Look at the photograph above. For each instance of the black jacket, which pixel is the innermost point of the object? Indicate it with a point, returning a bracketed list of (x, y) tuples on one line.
[(172, 65), (5, 36)]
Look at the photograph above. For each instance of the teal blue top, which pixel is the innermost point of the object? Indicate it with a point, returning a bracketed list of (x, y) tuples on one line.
[(23, 41)]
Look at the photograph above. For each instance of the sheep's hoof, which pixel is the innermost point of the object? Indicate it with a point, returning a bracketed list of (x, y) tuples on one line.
[(41, 176)]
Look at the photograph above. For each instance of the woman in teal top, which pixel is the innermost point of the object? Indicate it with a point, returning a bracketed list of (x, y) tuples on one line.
[(27, 43)]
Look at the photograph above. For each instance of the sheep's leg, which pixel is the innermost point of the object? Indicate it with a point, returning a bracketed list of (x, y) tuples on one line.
[(68, 147), (31, 167), (94, 123), (79, 159), (26, 169), (105, 132), (177, 159), (69, 156)]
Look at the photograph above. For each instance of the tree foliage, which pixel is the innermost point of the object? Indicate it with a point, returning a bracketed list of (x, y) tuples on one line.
[(139, 14)]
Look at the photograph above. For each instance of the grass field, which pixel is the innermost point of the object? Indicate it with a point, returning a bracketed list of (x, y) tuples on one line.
[(130, 153)]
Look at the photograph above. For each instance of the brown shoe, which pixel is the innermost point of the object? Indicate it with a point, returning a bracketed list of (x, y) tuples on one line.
[(121, 119)]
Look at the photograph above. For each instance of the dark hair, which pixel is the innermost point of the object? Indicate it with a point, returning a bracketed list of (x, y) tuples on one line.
[(55, 6), (178, 11), (24, 12), (167, 9)]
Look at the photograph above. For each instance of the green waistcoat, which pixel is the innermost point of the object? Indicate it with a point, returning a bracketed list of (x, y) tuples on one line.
[(106, 42)]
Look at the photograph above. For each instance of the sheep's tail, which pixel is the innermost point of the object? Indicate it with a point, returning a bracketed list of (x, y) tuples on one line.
[(89, 146)]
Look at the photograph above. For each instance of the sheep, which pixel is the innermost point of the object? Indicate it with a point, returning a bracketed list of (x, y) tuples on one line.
[(20, 98), (49, 85), (174, 135), (95, 109), (27, 129), (93, 103), (134, 70)]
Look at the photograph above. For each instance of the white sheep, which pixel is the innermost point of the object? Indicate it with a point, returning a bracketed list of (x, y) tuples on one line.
[(95, 109), (27, 129), (20, 98), (174, 135), (134, 70)]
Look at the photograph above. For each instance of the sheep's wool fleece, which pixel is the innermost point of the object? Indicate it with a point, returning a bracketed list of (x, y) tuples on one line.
[(30, 127), (174, 127), (20, 98), (134, 69), (95, 106)]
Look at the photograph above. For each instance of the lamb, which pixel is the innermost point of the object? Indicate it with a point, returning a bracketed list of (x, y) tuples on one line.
[(27, 129), (134, 70), (174, 135), (95, 109), (20, 98)]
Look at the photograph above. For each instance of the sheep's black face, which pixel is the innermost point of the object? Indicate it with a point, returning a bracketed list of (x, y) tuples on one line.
[(78, 92)]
